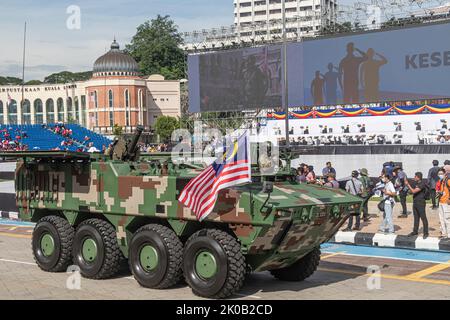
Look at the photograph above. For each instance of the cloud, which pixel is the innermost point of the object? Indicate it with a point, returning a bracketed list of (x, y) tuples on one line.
[(51, 47)]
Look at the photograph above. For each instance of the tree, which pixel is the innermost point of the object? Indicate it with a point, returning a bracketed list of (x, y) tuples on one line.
[(10, 81), (164, 127), (156, 47), (117, 130), (33, 83), (67, 76)]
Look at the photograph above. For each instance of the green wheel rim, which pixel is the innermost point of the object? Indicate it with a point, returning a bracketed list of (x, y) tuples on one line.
[(148, 258), (47, 244), (89, 250), (205, 265)]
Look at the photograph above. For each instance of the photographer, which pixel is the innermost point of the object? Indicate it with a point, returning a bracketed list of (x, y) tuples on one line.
[(355, 187), (387, 204), (400, 185), (419, 192), (331, 181)]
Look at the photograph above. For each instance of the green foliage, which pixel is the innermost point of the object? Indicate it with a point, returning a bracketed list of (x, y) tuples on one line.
[(71, 120), (156, 47), (4, 81), (117, 130), (165, 125), (33, 83), (67, 77)]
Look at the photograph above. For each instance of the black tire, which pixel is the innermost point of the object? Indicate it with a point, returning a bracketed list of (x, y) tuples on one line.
[(168, 270), (300, 270), (108, 258), (62, 233), (230, 264)]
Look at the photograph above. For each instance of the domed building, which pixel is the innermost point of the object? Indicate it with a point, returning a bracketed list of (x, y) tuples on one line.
[(115, 63), (117, 94)]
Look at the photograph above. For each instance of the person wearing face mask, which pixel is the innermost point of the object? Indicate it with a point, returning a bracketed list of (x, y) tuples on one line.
[(388, 197), (443, 191)]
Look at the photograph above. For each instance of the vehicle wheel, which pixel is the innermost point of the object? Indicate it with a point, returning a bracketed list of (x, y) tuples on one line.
[(301, 269), (213, 264), (155, 257), (52, 244), (95, 249)]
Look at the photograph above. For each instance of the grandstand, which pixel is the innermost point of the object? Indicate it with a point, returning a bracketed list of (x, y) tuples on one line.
[(43, 137), (408, 125)]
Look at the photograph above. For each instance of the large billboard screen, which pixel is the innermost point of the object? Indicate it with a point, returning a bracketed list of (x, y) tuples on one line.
[(403, 64), (235, 80)]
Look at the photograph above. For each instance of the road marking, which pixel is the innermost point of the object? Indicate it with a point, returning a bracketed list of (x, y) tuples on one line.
[(391, 258), (13, 235), (430, 270), (247, 296), (19, 262), (387, 276), (331, 255)]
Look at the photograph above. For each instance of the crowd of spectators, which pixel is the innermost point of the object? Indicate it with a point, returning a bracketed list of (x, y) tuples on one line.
[(11, 140), (81, 146), (391, 187), (152, 148)]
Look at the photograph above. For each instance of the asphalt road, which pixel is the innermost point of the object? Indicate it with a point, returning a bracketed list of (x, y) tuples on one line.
[(345, 272)]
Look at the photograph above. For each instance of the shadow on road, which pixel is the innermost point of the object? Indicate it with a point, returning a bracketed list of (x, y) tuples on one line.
[(265, 282)]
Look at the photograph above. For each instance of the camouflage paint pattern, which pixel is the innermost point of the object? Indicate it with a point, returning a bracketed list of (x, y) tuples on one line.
[(131, 194)]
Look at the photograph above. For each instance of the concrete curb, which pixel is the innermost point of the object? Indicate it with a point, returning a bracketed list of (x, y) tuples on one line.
[(391, 241)]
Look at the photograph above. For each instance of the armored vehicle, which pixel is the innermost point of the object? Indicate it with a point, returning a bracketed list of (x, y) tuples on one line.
[(96, 211)]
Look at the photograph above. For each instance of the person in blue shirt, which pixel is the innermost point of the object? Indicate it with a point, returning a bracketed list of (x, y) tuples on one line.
[(328, 169)]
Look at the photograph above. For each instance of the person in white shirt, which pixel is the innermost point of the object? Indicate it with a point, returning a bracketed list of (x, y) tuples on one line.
[(355, 187), (92, 148), (388, 197)]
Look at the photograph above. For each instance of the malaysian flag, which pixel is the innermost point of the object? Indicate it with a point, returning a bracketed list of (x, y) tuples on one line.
[(231, 169)]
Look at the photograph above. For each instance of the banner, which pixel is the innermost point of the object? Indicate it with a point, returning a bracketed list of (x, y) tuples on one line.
[(411, 63)]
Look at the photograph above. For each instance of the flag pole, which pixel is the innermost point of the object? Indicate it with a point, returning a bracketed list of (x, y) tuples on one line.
[(285, 80), (23, 74)]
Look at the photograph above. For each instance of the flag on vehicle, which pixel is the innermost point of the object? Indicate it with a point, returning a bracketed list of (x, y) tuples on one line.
[(231, 169)]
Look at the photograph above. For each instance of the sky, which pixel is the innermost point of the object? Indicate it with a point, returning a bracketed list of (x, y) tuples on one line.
[(53, 47)]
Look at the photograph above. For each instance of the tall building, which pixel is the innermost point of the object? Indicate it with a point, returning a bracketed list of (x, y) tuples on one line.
[(262, 18), (262, 21), (116, 94)]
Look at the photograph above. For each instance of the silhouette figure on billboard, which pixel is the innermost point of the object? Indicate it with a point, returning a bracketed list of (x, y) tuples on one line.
[(370, 75), (317, 88), (255, 83), (349, 71), (331, 84)]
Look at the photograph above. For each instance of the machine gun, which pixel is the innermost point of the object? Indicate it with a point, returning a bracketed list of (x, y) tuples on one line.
[(127, 150)]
